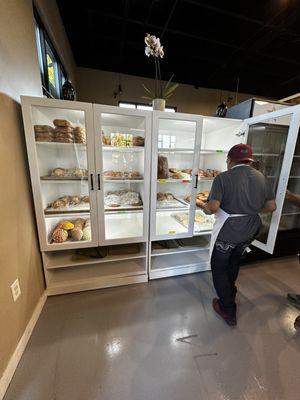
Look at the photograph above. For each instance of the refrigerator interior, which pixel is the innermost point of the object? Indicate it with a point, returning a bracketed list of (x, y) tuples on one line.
[(123, 166), (173, 174)]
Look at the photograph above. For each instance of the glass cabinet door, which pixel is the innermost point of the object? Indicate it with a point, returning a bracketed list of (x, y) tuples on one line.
[(60, 144), (290, 216), (123, 173), (175, 147), (273, 139)]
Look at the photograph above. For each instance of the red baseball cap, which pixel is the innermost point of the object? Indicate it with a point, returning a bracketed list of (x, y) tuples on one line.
[(241, 152)]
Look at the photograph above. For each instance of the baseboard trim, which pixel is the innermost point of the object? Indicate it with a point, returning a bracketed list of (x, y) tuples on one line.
[(21, 346)]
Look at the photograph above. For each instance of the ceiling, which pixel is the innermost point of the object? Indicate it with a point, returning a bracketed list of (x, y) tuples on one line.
[(208, 43)]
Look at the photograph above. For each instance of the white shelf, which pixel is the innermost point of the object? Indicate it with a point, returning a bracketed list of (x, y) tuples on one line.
[(176, 150), (68, 215), (124, 180), (167, 225), (179, 260), (63, 276), (66, 259), (63, 180), (122, 225), (60, 145), (127, 149), (178, 250), (169, 180)]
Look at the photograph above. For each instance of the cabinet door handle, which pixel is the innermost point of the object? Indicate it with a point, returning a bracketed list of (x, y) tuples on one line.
[(196, 183), (99, 185), (92, 181)]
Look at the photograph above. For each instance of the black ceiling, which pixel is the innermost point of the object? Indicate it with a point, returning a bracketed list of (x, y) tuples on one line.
[(207, 43)]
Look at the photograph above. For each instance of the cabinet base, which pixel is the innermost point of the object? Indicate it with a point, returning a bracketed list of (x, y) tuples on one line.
[(100, 283)]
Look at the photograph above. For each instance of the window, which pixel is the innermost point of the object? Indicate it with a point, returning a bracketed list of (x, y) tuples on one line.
[(142, 106), (53, 74)]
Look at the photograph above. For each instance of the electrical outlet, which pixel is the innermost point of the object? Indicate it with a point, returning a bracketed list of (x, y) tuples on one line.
[(15, 289)]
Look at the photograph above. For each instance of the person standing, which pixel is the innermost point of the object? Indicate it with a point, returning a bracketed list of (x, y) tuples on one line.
[(237, 197)]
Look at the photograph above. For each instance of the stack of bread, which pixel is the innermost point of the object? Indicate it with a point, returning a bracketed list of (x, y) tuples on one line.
[(43, 133), (63, 131), (78, 229), (79, 135)]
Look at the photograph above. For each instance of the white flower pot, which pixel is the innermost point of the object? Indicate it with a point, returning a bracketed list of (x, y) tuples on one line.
[(159, 104)]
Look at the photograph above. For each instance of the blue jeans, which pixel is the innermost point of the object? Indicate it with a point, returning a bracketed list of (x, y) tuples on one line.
[(225, 265)]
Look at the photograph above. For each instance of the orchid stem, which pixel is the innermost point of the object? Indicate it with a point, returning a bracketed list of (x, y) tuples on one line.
[(159, 74), (156, 72)]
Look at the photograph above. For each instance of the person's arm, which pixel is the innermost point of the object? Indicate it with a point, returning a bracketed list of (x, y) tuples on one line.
[(214, 199), (269, 207), (293, 198), (211, 207)]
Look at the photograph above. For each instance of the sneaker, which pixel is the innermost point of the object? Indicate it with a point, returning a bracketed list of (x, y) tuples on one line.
[(231, 321), (294, 299)]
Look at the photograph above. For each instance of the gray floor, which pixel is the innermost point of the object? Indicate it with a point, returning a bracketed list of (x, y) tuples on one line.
[(161, 341)]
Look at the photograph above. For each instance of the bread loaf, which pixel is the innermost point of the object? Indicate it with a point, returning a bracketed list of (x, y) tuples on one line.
[(162, 167)]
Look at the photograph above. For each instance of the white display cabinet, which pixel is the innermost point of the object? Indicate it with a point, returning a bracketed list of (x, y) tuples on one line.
[(61, 169), (115, 190), (68, 165), (175, 254), (180, 235)]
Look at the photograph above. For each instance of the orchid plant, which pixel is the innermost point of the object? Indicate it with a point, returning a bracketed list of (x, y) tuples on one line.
[(155, 50)]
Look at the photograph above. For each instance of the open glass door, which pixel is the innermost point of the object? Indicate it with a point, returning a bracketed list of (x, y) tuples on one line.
[(175, 152), (273, 138)]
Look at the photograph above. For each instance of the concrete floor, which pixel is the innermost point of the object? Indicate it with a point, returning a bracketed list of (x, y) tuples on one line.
[(162, 341)]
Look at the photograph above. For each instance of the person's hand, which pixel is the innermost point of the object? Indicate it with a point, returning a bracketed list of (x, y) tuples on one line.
[(201, 204), (288, 195)]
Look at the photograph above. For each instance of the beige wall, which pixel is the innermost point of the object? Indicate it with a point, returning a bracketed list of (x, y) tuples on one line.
[(19, 250), (98, 87)]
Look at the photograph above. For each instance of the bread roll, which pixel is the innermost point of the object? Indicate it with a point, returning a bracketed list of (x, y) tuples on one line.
[(62, 122), (59, 235)]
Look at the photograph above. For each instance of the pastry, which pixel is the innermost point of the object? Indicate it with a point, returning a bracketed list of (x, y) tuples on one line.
[(61, 202), (180, 175), (66, 225), (44, 139), (61, 122), (138, 141), (87, 234), (77, 232), (59, 235), (63, 129), (44, 134), (187, 171), (74, 200), (164, 196), (162, 167), (112, 200), (58, 172), (43, 128)]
